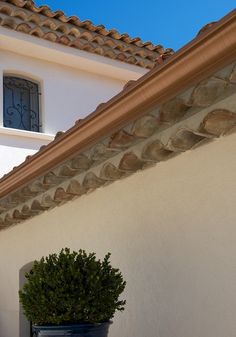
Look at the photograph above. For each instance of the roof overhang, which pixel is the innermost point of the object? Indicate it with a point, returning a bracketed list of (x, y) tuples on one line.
[(57, 28), (112, 122), (31, 46), (203, 56)]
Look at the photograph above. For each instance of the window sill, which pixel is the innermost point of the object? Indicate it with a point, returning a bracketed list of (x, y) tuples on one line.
[(26, 134)]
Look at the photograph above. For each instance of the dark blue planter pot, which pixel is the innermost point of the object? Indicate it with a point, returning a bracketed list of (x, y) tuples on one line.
[(77, 330)]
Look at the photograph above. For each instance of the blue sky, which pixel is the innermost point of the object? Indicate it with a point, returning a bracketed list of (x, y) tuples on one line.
[(171, 23)]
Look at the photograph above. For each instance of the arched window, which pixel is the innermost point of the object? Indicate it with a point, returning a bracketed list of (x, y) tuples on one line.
[(20, 104)]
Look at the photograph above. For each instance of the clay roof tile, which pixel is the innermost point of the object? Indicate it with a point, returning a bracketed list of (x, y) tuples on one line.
[(16, 14)]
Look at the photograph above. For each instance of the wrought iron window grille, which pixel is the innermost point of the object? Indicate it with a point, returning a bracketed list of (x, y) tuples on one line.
[(21, 104)]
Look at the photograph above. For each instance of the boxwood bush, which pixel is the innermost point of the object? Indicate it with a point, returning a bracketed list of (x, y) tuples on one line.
[(72, 287)]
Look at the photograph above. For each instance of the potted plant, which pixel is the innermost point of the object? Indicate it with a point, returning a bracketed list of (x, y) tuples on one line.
[(72, 294)]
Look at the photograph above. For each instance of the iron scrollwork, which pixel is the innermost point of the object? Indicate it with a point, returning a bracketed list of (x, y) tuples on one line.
[(21, 104)]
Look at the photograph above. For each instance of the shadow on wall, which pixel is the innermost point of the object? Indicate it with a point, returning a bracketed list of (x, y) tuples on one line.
[(25, 325)]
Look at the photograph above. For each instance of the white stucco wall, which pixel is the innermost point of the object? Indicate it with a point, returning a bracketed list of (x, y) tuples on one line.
[(171, 230), (68, 94), (16, 145)]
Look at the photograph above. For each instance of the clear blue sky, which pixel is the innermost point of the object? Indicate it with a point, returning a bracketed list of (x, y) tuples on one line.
[(171, 23)]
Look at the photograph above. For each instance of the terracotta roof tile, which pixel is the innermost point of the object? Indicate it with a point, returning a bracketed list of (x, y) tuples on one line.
[(135, 147), (206, 28), (175, 125), (42, 22), (170, 112)]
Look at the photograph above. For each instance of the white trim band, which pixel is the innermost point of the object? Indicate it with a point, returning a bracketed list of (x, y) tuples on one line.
[(26, 134)]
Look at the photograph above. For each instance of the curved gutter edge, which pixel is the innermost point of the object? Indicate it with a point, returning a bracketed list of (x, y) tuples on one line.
[(200, 58)]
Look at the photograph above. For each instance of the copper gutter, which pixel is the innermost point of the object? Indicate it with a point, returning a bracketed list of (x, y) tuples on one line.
[(209, 52)]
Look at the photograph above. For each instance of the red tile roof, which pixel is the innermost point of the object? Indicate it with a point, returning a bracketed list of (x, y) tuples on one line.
[(115, 128), (42, 22)]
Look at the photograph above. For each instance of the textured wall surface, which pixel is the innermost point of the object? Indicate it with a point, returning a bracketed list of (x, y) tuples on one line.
[(171, 230)]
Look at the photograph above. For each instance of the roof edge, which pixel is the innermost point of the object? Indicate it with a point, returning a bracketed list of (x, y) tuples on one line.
[(56, 27), (31, 46), (200, 58)]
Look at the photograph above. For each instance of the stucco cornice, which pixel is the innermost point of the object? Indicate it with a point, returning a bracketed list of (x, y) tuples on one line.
[(203, 56)]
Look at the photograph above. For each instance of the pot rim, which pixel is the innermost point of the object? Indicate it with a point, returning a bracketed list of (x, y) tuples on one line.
[(72, 325)]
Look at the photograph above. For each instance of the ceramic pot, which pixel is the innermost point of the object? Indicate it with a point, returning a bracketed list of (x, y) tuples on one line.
[(75, 330)]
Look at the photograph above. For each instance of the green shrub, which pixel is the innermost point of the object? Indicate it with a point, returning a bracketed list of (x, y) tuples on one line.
[(71, 288)]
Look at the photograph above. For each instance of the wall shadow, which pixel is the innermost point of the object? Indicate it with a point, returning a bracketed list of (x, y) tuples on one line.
[(24, 324)]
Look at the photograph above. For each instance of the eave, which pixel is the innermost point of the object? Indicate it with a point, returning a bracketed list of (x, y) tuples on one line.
[(31, 46), (61, 30), (199, 59), (161, 115)]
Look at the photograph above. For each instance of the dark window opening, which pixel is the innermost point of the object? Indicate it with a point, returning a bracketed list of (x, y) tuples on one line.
[(20, 104)]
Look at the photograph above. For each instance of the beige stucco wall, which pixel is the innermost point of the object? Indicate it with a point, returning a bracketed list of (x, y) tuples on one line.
[(171, 230)]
